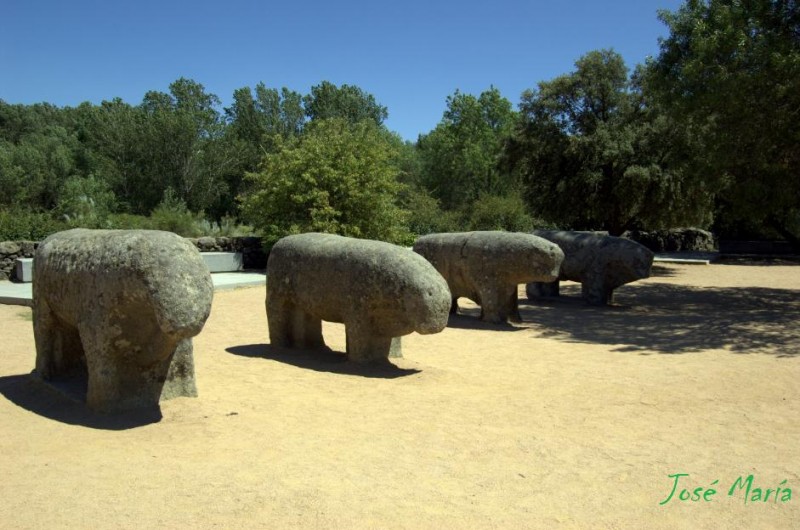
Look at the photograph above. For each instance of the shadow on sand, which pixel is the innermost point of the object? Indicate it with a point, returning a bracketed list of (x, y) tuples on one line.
[(322, 360), (666, 318), (469, 318), (66, 402)]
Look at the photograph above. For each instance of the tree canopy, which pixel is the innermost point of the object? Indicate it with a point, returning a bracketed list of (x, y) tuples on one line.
[(593, 154), (460, 157), (730, 69), (336, 178)]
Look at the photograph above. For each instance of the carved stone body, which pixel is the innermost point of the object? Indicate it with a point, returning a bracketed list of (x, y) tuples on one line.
[(378, 290), (487, 267), (121, 306), (601, 263)]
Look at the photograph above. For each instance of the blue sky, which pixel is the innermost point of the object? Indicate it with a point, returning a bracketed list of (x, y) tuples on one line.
[(410, 55)]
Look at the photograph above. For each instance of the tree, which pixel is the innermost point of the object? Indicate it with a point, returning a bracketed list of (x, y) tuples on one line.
[(594, 154), (269, 113), (336, 178), (731, 68), (184, 140), (347, 102), (461, 156)]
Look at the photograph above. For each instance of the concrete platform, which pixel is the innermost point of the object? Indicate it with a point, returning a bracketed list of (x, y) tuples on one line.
[(12, 293), (687, 258), (24, 269), (223, 261), (215, 261)]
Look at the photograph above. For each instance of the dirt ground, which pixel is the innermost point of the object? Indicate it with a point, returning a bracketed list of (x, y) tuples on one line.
[(574, 419)]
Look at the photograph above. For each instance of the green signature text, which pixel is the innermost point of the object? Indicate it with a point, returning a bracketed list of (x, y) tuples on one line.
[(743, 487)]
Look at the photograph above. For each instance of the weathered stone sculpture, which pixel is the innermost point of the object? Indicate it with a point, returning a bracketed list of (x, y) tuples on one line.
[(121, 306), (601, 263), (487, 267), (378, 290)]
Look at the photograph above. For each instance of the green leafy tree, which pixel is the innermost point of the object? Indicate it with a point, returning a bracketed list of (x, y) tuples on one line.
[(731, 69), (594, 154), (460, 158), (270, 112), (500, 212), (337, 178), (87, 200), (347, 102)]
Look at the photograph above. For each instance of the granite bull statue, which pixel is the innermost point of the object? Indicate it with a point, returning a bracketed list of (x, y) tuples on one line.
[(487, 267), (121, 307), (378, 290), (601, 263)]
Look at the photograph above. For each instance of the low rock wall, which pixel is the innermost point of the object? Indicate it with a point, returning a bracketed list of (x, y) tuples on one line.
[(253, 255), (674, 240)]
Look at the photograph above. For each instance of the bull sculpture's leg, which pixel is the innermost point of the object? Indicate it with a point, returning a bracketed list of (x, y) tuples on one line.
[(542, 289), (511, 308), (495, 305), (59, 351), (306, 330), (454, 306), (595, 291), (135, 369), (290, 326), (180, 373), (365, 346), (103, 388)]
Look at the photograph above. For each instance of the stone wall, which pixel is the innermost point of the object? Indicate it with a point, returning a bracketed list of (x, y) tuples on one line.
[(253, 255), (9, 252), (674, 240)]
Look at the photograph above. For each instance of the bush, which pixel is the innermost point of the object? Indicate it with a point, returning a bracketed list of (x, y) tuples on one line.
[(172, 215), (426, 216), (227, 227), (337, 178), (494, 212), (19, 225), (85, 201)]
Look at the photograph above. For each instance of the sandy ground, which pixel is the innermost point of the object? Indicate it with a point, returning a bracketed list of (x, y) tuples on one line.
[(573, 419)]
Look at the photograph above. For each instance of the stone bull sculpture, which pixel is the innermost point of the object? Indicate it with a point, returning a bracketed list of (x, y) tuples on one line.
[(378, 290), (601, 263), (487, 267), (120, 306)]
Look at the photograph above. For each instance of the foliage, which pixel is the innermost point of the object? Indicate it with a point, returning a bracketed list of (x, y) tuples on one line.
[(347, 102), (460, 157), (226, 227), (336, 178), (426, 215), (732, 70), (18, 224), (172, 215), (594, 154), (88, 199), (500, 212)]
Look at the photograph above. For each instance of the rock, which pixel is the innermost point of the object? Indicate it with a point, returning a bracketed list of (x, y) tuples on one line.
[(487, 267), (27, 248), (9, 248), (378, 290), (207, 244), (120, 306), (599, 262)]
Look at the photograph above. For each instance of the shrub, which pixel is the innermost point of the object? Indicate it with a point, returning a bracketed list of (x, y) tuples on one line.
[(337, 178), (425, 214), (506, 212), (17, 225)]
